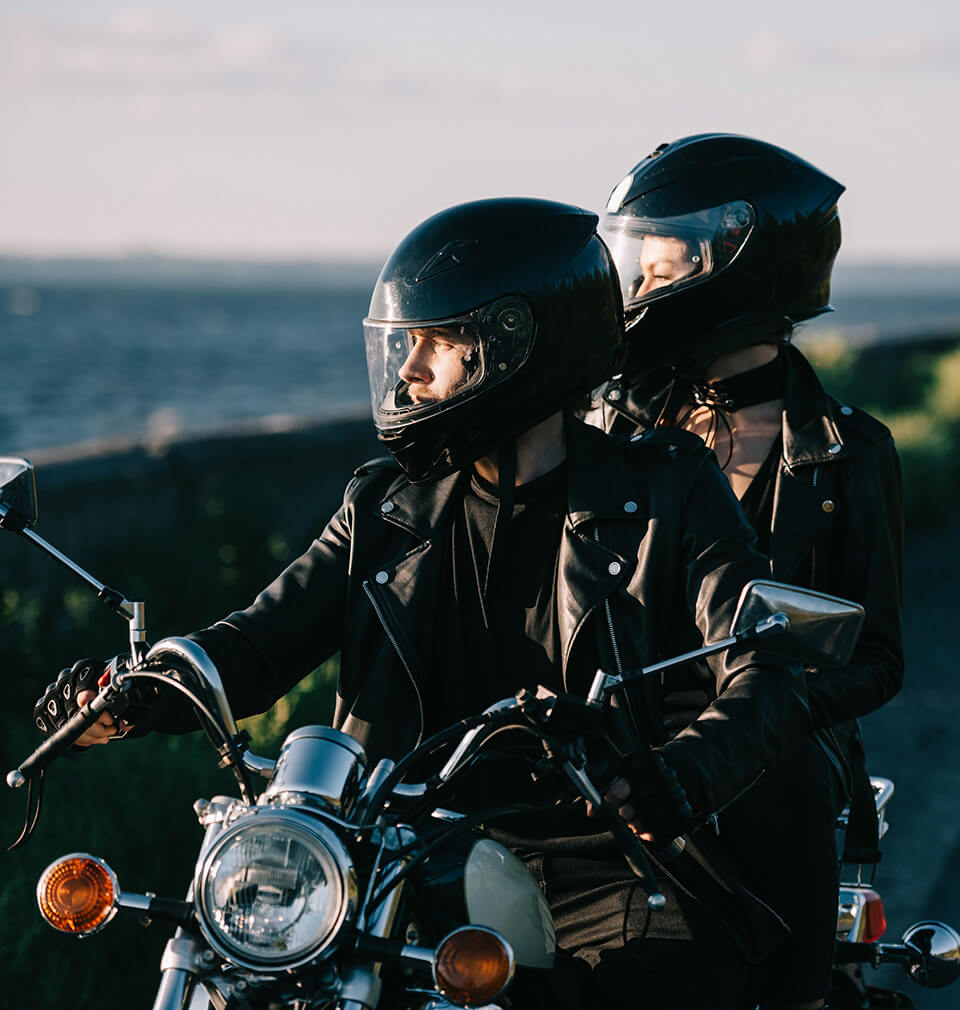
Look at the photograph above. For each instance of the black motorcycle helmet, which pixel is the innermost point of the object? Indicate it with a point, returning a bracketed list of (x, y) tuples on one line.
[(721, 242), (517, 301)]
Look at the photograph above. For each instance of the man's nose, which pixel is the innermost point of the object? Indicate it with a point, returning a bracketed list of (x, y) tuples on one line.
[(647, 286), (415, 368)]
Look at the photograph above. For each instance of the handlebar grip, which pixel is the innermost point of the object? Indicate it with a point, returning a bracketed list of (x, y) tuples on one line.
[(57, 743)]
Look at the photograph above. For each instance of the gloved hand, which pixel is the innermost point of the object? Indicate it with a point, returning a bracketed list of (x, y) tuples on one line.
[(59, 702), (650, 798), (74, 687)]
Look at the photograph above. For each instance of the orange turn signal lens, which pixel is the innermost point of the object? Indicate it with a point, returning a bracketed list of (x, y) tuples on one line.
[(78, 894), (473, 965)]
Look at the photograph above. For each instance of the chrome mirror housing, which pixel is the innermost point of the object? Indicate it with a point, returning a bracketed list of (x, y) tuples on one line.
[(939, 948), (822, 629), (18, 493)]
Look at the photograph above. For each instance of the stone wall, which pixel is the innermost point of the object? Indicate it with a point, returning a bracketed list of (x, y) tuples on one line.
[(194, 525)]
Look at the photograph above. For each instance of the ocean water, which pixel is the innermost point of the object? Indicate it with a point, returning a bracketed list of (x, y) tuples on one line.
[(96, 350)]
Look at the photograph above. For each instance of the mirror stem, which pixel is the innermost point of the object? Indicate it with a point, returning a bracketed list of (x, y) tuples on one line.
[(605, 684), (134, 612)]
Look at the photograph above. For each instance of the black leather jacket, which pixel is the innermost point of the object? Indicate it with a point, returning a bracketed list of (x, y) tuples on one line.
[(653, 536), (837, 524)]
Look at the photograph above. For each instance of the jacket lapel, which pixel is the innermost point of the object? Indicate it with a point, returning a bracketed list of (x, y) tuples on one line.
[(589, 572), (799, 520), (811, 444), (400, 587)]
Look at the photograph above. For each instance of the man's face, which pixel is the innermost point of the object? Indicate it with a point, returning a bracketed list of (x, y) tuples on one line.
[(440, 361), (664, 260)]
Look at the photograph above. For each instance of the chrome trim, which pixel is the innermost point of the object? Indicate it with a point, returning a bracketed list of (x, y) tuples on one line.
[(194, 656)]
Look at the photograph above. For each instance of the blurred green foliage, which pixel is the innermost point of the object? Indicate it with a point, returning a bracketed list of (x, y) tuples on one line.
[(914, 388)]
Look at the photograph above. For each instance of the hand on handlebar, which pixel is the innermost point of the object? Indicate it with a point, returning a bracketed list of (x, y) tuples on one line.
[(649, 797), (104, 729), (70, 692)]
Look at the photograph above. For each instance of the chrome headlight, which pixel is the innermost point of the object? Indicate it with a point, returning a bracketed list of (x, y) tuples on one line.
[(274, 890)]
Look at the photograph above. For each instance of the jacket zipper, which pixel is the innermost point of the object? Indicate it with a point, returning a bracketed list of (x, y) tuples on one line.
[(713, 819), (393, 641)]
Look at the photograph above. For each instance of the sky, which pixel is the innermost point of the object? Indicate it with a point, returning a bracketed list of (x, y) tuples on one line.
[(323, 130)]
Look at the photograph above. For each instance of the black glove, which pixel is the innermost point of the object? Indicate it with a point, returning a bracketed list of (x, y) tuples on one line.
[(59, 701), (659, 801)]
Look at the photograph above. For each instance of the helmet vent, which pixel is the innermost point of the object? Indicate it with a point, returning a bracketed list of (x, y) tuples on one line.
[(451, 256)]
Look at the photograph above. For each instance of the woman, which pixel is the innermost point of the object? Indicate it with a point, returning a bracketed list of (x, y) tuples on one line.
[(723, 244)]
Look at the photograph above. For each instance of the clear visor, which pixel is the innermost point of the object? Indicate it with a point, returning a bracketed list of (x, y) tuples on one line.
[(656, 256), (425, 367)]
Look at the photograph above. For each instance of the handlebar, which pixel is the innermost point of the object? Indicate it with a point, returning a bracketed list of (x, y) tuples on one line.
[(217, 718), (60, 741)]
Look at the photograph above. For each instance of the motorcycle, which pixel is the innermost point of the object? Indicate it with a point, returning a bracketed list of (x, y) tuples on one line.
[(341, 886)]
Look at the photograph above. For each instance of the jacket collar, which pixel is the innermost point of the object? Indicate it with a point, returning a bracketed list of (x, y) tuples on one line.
[(810, 432), (597, 486)]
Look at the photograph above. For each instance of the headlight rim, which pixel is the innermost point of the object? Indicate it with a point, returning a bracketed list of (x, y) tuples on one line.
[(338, 857)]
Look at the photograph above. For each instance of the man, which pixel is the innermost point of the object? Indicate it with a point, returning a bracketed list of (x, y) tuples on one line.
[(723, 243), (508, 545)]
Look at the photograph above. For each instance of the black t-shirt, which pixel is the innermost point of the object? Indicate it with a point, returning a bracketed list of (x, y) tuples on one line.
[(489, 646)]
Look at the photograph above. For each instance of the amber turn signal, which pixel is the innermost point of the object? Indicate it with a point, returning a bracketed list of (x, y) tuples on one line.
[(78, 894), (473, 965)]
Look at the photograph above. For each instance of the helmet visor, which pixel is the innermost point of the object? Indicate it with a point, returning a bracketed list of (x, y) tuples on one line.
[(423, 368), (657, 256)]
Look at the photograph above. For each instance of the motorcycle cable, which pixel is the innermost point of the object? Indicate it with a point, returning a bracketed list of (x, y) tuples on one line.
[(229, 748), (429, 747), (478, 757)]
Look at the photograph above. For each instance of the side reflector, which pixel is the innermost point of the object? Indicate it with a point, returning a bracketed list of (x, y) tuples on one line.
[(473, 965), (78, 894), (875, 920)]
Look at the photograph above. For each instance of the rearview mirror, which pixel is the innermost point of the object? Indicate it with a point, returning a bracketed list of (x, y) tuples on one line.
[(18, 492), (823, 629)]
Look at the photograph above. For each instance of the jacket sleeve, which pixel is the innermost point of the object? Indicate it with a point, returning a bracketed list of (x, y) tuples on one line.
[(291, 628), (761, 710), (863, 561)]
